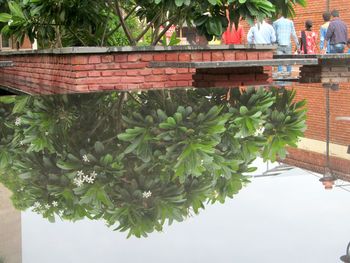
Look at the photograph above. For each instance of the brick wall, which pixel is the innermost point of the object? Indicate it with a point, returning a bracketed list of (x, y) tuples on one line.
[(43, 72), (315, 95)]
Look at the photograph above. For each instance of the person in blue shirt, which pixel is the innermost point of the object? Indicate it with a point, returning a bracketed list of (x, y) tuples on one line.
[(323, 31), (285, 29)]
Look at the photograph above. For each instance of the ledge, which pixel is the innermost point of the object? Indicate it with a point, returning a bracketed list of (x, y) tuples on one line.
[(6, 64), (235, 63), (318, 56), (128, 49)]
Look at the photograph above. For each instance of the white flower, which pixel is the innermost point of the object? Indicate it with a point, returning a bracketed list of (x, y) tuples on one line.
[(36, 205), (21, 143), (10, 22), (60, 213), (18, 121), (46, 133), (147, 195), (78, 181), (93, 174), (80, 173), (54, 204), (85, 158), (47, 206), (202, 162), (89, 180)]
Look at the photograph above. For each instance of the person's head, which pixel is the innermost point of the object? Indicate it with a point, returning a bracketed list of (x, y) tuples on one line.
[(308, 25), (335, 13), (326, 16), (348, 43)]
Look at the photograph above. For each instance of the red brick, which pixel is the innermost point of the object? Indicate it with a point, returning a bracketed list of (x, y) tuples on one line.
[(156, 78), (196, 56), (158, 71), (121, 58), (181, 77), (159, 57), (81, 74), (94, 59), (206, 56), (170, 71), (241, 55), (217, 56), (252, 55), (146, 57), (94, 73), (184, 83), (108, 66), (184, 57), (230, 55), (108, 59), (265, 55), (172, 57), (134, 57), (127, 80), (79, 60), (182, 70), (134, 65), (132, 72), (83, 67)]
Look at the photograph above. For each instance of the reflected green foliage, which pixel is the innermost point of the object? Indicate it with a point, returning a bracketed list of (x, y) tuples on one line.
[(139, 160)]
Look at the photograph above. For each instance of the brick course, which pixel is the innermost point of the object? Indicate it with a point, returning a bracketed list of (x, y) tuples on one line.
[(61, 73)]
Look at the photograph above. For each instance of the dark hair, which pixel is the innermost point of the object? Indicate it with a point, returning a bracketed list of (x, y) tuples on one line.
[(326, 16), (348, 42), (335, 13), (308, 24)]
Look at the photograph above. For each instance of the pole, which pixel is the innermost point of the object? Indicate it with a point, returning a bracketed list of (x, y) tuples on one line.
[(327, 5), (327, 128)]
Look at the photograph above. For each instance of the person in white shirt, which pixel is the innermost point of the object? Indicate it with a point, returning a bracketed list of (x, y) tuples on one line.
[(261, 33)]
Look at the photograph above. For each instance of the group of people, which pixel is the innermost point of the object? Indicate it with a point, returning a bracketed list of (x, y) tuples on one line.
[(333, 36)]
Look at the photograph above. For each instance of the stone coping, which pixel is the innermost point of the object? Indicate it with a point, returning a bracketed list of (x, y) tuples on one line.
[(318, 56), (128, 49), (6, 64), (235, 63)]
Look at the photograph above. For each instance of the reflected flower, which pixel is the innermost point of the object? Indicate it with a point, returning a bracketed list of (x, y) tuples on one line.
[(89, 180), (47, 206), (36, 205), (78, 182), (85, 158), (46, 133), (147, 195), (18, 121), (93, 174), (54, 204)]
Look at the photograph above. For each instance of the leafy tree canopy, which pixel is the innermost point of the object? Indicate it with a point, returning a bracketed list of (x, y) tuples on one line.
[(138, 160), (89, 22)]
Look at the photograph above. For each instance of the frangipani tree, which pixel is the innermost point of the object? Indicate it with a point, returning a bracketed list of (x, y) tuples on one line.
[(88, 22), (140, 160)]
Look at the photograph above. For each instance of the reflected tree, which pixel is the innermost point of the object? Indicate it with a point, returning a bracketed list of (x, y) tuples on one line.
[(140, 160)]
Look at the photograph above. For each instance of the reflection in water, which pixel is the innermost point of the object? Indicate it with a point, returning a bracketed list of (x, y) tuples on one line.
[(140, 160)]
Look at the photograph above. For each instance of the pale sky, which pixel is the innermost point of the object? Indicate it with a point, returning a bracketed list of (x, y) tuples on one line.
[(289, 218)]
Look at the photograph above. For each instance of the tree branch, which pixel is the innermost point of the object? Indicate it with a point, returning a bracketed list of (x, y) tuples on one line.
[(118, 11)]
